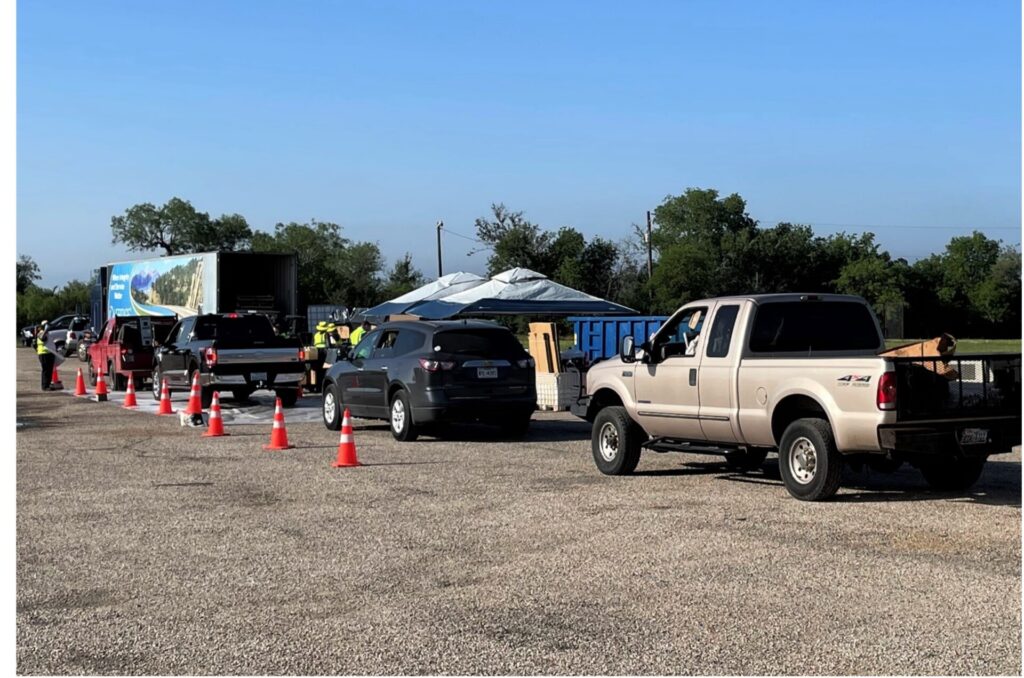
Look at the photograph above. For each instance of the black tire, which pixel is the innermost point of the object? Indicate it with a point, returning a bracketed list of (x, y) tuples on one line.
[(332, 408), (615, 441), (92, 374), (746, 460), (406, 431), (206, 396), (516, 427), (952, 475), (120, 382), (288, 396), (809, 462), (156, 385), (241, 394)]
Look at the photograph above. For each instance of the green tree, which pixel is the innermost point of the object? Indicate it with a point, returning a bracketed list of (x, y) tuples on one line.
[(997, 298), (28, 273), (332, 269), (401, 278), (514, 241), (178, 228)]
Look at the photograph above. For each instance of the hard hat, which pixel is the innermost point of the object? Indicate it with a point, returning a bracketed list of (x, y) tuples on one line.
[(43, 323), (321, 326)]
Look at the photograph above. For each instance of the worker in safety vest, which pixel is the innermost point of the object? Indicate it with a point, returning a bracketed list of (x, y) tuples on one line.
[(357, 333), (324, 330), (45, 355)]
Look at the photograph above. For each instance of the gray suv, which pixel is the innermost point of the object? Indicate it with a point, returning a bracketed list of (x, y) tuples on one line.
[(419, 373)]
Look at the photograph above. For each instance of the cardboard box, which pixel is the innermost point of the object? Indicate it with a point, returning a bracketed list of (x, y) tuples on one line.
[(544, 348)]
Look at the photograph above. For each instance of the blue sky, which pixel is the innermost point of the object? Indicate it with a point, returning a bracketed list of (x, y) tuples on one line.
[(901, 118)]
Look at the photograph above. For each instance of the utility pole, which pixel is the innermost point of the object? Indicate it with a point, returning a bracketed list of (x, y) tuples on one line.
[(440, 225), (650, 256)]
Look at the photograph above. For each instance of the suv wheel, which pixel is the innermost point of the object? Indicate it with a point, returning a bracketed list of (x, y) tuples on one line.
[(400, 416), (157, 382), (615, 441), (809, 462), (332, 408)]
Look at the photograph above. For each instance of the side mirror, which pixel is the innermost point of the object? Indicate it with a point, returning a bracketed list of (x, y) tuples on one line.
[(628, 350), (351, 355)]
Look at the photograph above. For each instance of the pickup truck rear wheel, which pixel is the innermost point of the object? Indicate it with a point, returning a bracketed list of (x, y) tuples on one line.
[(288, 396), (615, 441), (809, 461), (157, 384), (952, 474)]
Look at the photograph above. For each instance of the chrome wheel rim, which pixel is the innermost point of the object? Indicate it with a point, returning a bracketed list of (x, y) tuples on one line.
[(608, 441), (330, 406), (398, 415), (803, 460), (156, 385)]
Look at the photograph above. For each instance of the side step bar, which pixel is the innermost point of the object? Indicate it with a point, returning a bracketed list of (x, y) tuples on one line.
[(671, 445)]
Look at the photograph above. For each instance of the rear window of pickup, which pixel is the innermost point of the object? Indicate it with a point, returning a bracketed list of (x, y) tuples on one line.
[(802, 326), (242, 329)]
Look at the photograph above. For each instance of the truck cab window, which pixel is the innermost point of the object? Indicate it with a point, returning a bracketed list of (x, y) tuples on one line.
[(681, 334), (721, 331)]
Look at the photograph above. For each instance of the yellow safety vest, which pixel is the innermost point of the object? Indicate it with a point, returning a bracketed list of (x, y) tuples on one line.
[(320, 340), (356, 335), (41, 345)]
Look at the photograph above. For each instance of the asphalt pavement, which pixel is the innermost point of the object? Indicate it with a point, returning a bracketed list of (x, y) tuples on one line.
[(144, 548)]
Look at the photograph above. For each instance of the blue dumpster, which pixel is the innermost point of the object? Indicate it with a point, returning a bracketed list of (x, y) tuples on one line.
[(600, 337)]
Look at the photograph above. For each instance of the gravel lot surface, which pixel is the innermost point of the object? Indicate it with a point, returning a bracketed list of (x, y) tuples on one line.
[(144, 548)]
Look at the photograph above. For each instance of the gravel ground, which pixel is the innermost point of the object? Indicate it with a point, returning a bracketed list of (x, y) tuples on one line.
[(144, 548)]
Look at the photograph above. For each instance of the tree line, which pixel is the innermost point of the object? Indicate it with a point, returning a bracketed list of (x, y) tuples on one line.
[(701, 245)]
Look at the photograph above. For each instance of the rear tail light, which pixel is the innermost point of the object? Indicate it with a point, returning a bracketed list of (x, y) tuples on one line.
[(302, 355), (886, 398), (526, 362), (436, 365), (211, 356), (71, 335)]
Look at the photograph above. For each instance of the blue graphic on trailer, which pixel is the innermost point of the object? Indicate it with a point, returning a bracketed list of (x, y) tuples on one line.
[(165, 287)]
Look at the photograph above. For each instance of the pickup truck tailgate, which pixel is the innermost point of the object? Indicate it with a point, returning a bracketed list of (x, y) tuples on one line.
[(257, 356)]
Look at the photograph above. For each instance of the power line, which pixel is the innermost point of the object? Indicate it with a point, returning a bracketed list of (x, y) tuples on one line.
[(465, 237)]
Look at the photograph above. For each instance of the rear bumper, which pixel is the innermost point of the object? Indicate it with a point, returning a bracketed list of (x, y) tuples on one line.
[(435, 406), (950, 438), (282, 380)]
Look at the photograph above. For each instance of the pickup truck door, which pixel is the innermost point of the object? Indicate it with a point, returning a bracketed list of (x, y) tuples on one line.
[(172, 355), (716, 383), (667, 394)]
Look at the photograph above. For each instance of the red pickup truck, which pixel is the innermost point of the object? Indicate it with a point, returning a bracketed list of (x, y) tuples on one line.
[(125, 349)]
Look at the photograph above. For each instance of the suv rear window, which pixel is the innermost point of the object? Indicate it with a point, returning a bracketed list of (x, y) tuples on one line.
[(243, 329), (79, 324), (802, 326), (481, 343)]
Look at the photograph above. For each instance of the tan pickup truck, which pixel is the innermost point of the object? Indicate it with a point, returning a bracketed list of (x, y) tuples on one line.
[(800, 374)]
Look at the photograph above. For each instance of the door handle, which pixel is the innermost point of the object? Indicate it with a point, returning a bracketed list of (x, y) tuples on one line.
[(384, 367), (693, 376)]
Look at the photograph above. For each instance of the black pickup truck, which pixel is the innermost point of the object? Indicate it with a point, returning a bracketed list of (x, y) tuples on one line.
[(231, 352)]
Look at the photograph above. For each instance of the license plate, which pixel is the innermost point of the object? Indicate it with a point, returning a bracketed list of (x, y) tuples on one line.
[(487, 373), (974, 436), (258, 376)]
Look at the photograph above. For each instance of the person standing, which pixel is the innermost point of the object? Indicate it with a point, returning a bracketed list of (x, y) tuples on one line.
[(358, 333), (45, 355)]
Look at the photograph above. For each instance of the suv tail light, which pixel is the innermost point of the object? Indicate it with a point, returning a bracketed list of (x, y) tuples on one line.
[(436, 365), (210, 354), (526, 362), (886, 398)]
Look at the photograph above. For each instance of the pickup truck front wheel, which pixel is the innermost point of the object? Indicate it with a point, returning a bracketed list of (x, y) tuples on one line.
[(615, 441), (809, 462), (952, 475)]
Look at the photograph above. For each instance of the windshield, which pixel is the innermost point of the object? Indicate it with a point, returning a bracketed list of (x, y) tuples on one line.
[(802, 326), (243, 329), (494, 343)]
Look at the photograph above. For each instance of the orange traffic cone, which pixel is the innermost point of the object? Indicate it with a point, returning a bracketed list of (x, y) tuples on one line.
[(216, 427), (80, 384), (165, 399), (129, 396), (101, 387), (195, 402), (347, 446), (55, 382), (279, 435)]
